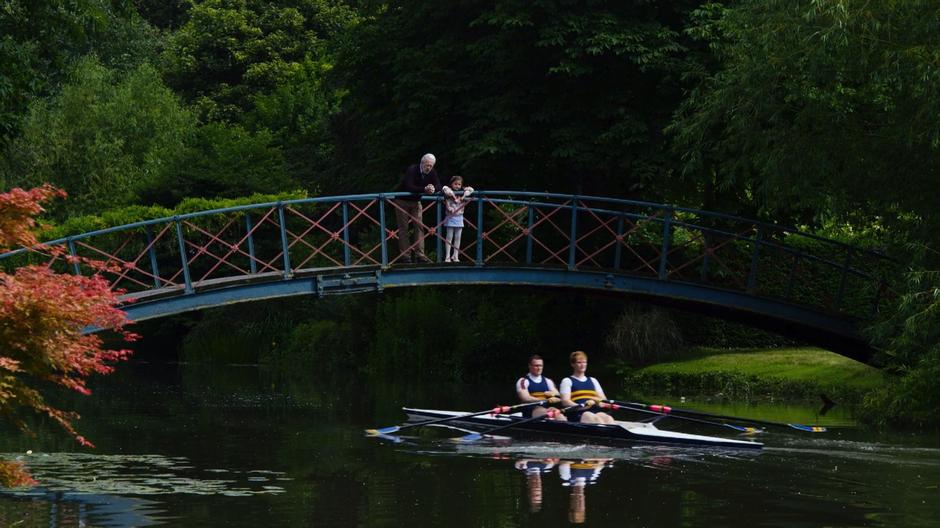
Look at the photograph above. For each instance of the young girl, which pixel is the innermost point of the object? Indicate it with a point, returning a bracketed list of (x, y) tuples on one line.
[(453, 223)]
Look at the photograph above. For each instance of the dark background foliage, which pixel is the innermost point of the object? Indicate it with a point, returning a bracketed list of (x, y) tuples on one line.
[(814, 113)]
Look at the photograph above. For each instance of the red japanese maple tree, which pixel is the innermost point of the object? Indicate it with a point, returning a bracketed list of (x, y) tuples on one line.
[(42, 318)]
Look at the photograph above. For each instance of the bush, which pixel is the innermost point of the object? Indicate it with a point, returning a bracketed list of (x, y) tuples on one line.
[(324, 343), (220, 161), (644, 335), (101, 138), (908, 339), (138, 213)]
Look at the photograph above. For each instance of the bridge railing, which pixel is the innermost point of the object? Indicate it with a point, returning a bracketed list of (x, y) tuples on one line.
[(188, 253)]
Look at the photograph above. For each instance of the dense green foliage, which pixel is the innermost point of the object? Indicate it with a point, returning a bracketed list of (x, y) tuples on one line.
[(138, 213), (40, 39), (815, 113), (453, 333), (822, 112), (910, 341), (262, 65), (818, 108), (220, 161), (230, 51), (102, 138), (563, 95)]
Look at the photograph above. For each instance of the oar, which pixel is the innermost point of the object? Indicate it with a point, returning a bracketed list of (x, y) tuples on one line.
[(495, 410), (672, 412), (615, 405), (472, 437)]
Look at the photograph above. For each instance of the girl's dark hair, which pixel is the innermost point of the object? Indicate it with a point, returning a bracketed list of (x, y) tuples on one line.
[(456, 179)]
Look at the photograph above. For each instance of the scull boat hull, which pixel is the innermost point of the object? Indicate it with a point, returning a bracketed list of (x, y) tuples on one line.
[(620, 433)]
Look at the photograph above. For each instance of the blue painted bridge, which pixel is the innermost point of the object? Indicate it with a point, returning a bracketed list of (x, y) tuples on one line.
[(770, 276)]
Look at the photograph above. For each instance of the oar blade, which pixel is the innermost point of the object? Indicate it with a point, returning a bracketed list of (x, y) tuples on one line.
[(383, 431), (390, 438), (472, 437), (808, 428), (744, 429)]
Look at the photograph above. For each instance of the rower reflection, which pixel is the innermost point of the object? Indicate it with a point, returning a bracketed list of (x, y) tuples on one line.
[(574, 474), (533, 475), (577, 475)]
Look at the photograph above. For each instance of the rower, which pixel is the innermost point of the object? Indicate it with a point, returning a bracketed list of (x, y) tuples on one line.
[(534, 387), (581, 389)]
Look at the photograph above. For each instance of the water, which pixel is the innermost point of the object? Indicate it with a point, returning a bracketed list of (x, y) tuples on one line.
[(239, 446)]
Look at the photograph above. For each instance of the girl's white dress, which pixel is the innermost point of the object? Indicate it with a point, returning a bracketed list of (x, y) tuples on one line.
[(454, 206)]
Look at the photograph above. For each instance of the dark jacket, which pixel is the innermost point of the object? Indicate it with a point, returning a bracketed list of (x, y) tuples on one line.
[(414, 182)]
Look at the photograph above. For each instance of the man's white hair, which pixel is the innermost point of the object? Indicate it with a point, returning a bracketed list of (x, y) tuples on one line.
[(429, 157)]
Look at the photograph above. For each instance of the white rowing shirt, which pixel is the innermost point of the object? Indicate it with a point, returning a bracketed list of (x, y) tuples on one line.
[(565, 387)]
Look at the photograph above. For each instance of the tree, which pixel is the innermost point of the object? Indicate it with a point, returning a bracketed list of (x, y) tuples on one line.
[(230, 51), (824, 111), (908, 337), (817, 108), (261, 65), (298, 113), (220, 161), (43, 315), (39, 40), (102, 138), (561, 95), (164, 14)]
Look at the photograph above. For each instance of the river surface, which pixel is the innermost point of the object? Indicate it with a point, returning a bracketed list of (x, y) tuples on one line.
[(198, 445)]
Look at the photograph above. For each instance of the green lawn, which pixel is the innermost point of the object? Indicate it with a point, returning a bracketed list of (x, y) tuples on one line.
[(786, 372)]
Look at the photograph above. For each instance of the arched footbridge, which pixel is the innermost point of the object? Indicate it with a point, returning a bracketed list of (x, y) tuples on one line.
[(762, 274)]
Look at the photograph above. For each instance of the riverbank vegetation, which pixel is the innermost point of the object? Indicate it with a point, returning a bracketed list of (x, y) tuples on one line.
[(761, 374), (818, 114)]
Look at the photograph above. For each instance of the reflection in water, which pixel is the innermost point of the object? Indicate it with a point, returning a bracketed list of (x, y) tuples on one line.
[(578, 466), (76, 487), (574, 474), (533, 471), (43, 507), (238, 420), (577, 475), (143, 475)]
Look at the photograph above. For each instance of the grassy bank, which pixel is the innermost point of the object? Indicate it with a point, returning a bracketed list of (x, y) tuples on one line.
[(755, 374)]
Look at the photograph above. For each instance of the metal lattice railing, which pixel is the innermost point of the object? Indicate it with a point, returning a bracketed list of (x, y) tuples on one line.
[(186, 253)]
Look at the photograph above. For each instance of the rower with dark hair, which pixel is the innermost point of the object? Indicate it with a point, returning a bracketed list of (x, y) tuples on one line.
[(581, 389), (534, 387)]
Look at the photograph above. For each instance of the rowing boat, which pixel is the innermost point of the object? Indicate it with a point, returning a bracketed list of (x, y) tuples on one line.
[(617, 433)]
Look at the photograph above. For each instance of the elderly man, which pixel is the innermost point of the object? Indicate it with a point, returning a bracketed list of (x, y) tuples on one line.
[(419, 179)]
